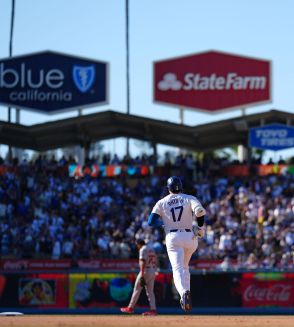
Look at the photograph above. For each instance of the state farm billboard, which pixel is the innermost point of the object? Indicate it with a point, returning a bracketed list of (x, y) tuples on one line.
[(51, 82), (212, 81)]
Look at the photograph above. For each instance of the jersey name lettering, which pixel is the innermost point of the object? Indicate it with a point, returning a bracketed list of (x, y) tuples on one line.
[(175, 201)]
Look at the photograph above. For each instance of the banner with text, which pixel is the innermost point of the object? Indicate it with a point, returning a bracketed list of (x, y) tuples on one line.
[(272, 137)]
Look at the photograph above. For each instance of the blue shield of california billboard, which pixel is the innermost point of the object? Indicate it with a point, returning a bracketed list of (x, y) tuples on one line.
[(272, 137), (51, 82)]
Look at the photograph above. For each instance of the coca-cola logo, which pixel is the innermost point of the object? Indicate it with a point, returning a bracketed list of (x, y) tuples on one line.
[(270, 293), (15, 265)]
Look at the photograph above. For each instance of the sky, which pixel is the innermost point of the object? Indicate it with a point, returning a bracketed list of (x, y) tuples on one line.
[(158, 29)]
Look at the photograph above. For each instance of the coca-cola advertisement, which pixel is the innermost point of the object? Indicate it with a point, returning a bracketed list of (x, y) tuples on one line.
[(109, 264), (267, 293)]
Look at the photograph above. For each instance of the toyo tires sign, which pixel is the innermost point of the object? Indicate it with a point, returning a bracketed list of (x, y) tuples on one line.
[(212, 81), (51, 82), (273, 137)]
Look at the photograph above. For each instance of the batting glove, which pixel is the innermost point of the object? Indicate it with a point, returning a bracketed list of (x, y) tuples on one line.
[(201, 232)]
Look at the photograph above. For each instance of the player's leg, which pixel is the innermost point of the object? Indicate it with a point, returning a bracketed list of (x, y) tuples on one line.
[(188, 251), (149, 278), (135, 296), (176, 258)]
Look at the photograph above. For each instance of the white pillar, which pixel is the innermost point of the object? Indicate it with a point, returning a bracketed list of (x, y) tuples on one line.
[(80, 154), (242, 153), (182, 121), (182, 116), (79, 150)]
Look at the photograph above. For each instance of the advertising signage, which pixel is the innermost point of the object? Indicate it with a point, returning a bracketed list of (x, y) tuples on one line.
[(51, 82), (272, 137), (212, 81)]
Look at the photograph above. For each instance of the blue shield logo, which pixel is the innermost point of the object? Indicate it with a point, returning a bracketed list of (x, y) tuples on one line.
[(83, 77)]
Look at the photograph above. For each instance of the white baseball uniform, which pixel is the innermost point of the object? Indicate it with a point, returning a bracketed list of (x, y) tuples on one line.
[(177, 212), (147, 254)]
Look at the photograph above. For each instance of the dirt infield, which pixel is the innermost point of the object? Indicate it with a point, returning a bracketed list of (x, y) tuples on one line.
[(138, 321)]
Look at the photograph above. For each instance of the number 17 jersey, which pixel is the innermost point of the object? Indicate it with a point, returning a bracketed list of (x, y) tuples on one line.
[(177, 211)]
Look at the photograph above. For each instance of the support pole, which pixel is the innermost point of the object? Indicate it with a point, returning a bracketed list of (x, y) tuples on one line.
[(182, 116), (10, 55), (242, 150), (80, 149), (127, 69)]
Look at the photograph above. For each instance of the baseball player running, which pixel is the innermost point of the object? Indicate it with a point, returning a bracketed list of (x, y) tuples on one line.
[(146, 278), (177, 211)]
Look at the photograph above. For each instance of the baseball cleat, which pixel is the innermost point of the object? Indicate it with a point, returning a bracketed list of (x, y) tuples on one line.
[(127, 310), (150, 313), (186, 301), (182, 305)]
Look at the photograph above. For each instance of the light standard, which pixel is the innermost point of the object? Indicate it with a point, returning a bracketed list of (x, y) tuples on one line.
[(127, 69), (10, 44)]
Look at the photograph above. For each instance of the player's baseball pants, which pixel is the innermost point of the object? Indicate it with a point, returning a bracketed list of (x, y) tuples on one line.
[(149, 279), (180, 246)]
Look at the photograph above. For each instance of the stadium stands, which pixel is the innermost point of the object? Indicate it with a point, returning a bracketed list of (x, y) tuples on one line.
[(45, 213)]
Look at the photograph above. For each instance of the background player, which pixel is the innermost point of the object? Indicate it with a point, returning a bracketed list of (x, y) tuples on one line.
[(145, 278), (177, 211)]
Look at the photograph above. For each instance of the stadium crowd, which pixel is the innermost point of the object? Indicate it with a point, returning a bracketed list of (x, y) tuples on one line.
[(44, 213)]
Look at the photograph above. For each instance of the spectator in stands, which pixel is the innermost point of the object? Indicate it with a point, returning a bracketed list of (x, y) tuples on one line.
[(251, 262)]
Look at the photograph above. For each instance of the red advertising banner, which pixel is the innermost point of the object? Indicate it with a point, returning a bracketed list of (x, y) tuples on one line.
[(237, 170), (96, 264), (263, 293), (204, 264), (211, 264), (109, 264), (212, 81), (30, 265)]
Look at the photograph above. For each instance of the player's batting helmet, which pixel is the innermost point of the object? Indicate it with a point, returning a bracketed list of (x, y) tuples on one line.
[(174, 184)]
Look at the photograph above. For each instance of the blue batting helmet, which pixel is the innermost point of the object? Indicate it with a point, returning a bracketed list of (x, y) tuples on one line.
[(174, 184)]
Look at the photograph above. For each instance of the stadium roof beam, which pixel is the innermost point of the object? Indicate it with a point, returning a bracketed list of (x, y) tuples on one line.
[(109, 124)]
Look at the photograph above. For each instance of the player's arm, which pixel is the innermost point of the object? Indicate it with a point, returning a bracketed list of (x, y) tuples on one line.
[(199, 212), (154, 219), (200, 223)]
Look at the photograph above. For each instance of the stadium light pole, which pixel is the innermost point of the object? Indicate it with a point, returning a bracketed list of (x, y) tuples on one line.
[(10, 55), (127, 68), (11, 43)]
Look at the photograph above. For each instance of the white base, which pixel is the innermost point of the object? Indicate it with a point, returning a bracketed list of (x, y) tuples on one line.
[(11, 314)]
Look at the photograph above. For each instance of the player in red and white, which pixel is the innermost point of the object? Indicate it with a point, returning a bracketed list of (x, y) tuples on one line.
[(177, 212), (145, 278)]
